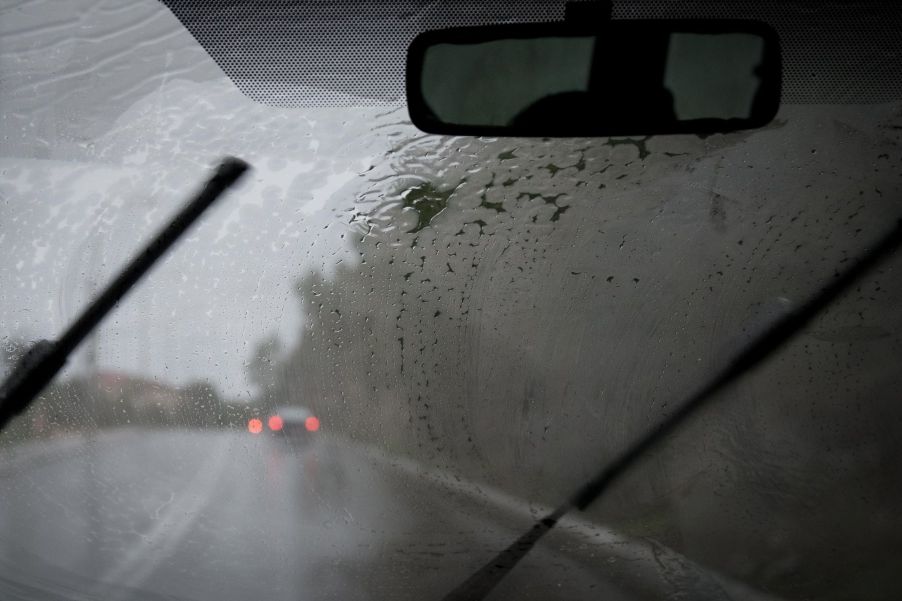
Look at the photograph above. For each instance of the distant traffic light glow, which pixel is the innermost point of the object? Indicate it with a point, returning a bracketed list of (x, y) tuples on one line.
[(312, 424), (275, 423), (254, 426)]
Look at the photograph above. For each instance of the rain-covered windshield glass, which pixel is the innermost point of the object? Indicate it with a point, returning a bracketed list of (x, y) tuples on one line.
[(383, 354)]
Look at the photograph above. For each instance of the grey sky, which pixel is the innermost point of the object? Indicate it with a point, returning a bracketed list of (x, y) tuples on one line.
[(103, 141)]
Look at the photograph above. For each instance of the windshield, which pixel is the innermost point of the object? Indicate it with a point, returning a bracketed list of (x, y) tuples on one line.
[(382, 355)]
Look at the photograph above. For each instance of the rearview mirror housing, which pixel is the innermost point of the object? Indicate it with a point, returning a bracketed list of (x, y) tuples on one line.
[(632, 77)]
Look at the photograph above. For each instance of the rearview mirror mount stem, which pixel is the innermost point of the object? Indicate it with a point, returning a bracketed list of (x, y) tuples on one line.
[(588, 12)]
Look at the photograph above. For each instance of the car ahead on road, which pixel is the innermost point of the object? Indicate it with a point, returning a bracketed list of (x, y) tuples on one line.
[(595, 297), (296, 423)]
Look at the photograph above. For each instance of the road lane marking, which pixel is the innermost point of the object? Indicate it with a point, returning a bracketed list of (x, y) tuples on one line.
[(662, 564), (139, 561)]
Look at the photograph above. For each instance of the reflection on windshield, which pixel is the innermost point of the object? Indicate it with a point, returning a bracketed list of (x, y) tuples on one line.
[(476, 324)]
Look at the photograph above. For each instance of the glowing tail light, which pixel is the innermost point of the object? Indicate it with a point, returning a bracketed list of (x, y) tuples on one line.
[(312, 424), (275, 423), (254, 426)]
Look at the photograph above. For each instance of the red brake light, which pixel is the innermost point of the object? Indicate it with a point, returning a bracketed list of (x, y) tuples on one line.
[(275, 423), (254, 426), (312, 424)]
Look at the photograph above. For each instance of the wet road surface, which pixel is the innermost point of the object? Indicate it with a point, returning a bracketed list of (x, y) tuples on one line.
[(135, 514)]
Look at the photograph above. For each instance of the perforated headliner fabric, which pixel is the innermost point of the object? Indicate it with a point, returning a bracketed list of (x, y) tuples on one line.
[(334, 52)]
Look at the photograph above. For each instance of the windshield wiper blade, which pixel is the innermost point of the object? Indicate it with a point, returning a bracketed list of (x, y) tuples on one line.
[(481, 583), (45, 358)]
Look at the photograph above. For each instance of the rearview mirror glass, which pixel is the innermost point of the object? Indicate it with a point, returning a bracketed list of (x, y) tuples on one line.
[(628, 78)]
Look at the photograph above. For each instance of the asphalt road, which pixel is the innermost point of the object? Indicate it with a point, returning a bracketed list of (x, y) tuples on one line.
[(137, 514)]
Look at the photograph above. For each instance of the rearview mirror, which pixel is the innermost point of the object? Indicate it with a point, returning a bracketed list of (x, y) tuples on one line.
[(625, 78)]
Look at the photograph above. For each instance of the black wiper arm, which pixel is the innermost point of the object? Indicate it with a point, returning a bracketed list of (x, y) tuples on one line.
[(480, 584), (45, 359)]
